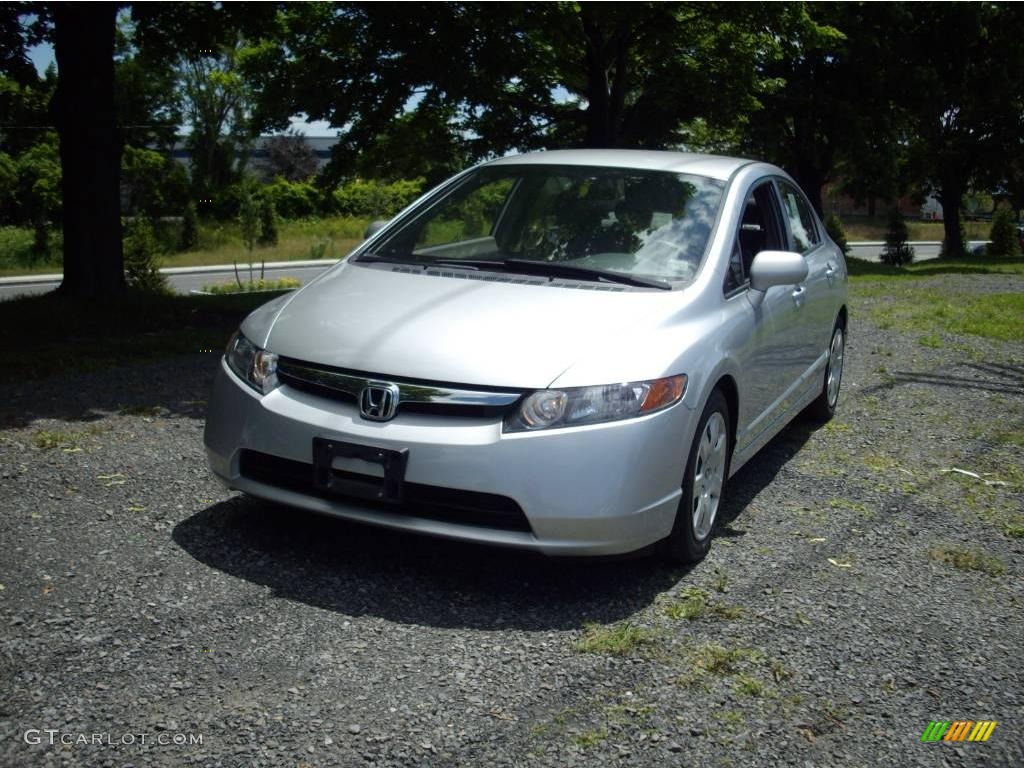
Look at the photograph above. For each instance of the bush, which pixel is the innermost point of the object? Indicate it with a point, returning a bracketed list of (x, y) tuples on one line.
[(896, 250), (268, 223), (836, 230), (292, 199), (375, 199), (189, 228), (141, 268), (1004, 237)]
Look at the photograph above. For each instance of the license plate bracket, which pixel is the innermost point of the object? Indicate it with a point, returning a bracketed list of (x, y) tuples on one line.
[(327, 478)]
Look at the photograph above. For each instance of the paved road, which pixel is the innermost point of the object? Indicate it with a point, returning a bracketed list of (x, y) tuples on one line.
[(183, 280)]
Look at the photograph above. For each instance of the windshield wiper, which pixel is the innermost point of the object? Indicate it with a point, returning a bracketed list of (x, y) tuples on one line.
[(560, 269), (530, 266), (367, 259)]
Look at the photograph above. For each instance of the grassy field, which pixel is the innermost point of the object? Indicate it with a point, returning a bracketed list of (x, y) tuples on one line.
[(219, 243), (900, 299), (873, 228)]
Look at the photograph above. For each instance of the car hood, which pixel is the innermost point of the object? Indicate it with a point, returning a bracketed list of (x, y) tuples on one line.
[(468, 331)]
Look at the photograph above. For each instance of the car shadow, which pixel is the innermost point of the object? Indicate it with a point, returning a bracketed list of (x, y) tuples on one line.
[(756, 474), (362, 570), (171, 387)]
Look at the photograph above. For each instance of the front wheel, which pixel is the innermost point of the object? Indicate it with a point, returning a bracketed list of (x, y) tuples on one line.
[(824, 407), (706, 469)]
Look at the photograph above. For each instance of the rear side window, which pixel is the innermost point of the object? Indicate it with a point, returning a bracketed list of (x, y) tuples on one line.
[(803, 235)]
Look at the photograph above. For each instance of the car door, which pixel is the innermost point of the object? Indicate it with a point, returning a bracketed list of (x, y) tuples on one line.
[(814, 319), (770, 355)]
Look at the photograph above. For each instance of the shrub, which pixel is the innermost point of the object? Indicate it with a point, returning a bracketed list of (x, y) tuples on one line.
[(896, 250), (189, 228), (375, 199), (268, 223), (292, 199), (836, 230), (141, 269), (1003, 234)]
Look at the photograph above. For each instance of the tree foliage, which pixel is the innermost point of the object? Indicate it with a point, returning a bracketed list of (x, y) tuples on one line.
[(1004, 238), (290, 157), (897, 251)]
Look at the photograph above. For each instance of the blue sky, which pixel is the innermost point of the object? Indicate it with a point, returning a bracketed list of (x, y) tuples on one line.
[(42, 56)]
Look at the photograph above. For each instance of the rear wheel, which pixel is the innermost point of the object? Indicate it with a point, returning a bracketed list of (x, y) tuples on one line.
[(706, 469), (824, 407)]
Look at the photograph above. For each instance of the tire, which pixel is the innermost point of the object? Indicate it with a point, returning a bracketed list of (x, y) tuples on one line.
[(707, 466), (824, 406)]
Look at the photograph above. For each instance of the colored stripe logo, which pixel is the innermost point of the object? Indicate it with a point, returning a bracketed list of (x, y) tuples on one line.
[(958, 730)]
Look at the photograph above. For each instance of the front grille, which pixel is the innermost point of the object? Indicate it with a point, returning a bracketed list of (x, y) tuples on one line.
[(430, 502), (415, 395)]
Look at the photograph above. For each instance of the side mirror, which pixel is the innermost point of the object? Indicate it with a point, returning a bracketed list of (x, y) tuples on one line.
[(775, 268), (374, 227)]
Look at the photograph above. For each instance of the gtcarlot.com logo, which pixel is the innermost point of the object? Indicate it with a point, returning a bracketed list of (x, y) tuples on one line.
[(54, 737), (958, 730)]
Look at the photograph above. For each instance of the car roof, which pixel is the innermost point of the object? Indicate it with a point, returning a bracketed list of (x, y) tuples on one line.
[(713, 166)]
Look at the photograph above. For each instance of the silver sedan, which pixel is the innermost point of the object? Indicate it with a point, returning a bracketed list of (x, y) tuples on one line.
[(568, 352)]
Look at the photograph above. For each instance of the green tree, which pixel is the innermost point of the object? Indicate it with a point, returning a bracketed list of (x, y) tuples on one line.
[(249, 222), (189, 228), (268, 226), (141, 265), (154, 184), (530, 75), (896, 250), (39, 182), (836, 230), (963, 88), (1003, 236)]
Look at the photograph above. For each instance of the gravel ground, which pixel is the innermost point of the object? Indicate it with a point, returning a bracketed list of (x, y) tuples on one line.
[(831, 622)]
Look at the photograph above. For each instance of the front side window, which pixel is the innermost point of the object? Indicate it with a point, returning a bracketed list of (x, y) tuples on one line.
[(642, 223), (759, 230), (803, 235)]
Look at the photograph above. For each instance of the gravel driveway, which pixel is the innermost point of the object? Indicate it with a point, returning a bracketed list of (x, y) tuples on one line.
[(856, 591)]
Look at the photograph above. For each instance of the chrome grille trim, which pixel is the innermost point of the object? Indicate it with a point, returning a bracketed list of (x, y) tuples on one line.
[(352, 385)]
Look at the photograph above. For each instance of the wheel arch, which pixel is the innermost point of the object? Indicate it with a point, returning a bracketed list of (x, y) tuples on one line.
[(726, 384)]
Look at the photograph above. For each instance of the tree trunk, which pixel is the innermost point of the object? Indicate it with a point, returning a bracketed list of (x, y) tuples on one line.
[(598, 99), (90, 148), (952, 229)]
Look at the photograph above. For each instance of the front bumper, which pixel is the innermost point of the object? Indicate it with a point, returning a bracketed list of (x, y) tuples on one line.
[(592, 490)]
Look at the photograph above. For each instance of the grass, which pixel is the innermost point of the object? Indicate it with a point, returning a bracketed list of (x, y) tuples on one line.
[(254, 286), (898, 299), (695, 603), (622, 639), (874, 228), (967, 559), (717, 660), (47, 439), (590, 738), (51, 335)]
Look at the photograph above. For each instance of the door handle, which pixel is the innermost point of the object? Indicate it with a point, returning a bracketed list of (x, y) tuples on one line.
[(830, 272), (799, 295)]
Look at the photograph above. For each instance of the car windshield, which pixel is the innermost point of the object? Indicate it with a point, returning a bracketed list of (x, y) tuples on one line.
[(651, 224)]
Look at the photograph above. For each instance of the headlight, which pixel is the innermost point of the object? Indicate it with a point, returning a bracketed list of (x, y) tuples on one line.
[(254, 366), (589, 405)]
